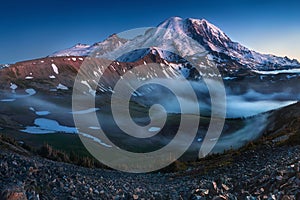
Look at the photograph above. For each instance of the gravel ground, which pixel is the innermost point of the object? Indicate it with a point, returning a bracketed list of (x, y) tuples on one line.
[(266, 173)]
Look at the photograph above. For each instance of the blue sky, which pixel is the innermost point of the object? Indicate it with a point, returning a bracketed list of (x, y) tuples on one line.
[(32, 29)]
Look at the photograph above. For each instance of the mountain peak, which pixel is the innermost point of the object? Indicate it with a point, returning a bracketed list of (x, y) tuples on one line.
[(112, 38), (199, 20), (208, 30), (191, 26), (173, 19), (171, 23)]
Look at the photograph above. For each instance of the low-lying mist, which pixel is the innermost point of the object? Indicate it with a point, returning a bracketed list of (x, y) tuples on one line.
[(238, 105)]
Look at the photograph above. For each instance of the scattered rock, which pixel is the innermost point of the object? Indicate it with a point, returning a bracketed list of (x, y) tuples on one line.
[(225, 187), (13, 193), (267, 173)]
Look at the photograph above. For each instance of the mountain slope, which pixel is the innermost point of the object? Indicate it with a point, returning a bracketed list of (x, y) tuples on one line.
[(44, 74), (217, 41), (111, 43), (53, 74)]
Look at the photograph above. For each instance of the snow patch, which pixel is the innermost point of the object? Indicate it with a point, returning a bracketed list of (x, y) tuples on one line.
[(62, 87), (229, 78), (284, 71), (44, 126), (94, 139), (154, 129), (91, 91), (13, 86), (55, 69), (7, 100), (30, 91), (94, 128), (42, 113), (87, 111)]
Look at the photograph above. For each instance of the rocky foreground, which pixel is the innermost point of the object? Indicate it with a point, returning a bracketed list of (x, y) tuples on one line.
[(268, 172)]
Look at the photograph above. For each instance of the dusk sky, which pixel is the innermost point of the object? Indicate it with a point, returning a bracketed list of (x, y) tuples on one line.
[(32, 29)]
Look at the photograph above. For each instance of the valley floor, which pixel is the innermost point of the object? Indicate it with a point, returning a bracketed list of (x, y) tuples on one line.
[(268, 172)]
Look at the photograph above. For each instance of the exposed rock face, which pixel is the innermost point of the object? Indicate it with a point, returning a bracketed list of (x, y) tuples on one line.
[(13, 193), (42, 73), (59, 73)]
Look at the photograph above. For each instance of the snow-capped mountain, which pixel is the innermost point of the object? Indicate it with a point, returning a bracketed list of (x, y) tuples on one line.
[(173, 35), (77, 50), (176, 46), (111, 43), (216, 40)]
